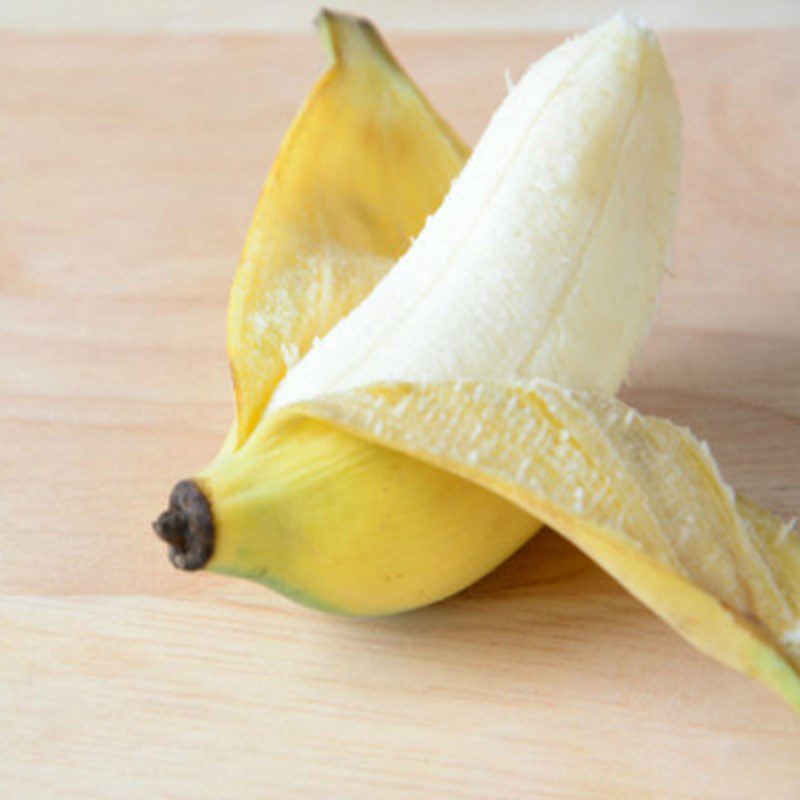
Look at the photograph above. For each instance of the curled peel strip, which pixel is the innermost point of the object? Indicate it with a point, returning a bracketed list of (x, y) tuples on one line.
[(639, 495)]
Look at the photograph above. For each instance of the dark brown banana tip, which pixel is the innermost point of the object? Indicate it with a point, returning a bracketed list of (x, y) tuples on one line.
[(187, 526)]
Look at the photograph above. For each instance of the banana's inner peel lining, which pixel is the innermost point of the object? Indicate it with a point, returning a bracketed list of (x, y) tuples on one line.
[(642, 497), (364, 163)]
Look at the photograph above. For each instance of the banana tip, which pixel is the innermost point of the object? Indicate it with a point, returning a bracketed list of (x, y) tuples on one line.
[(187, 526)]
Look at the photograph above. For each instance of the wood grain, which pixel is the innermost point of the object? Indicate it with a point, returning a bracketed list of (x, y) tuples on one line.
[(128, 169)]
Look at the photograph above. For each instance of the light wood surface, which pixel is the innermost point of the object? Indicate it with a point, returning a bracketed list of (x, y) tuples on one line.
[(128, 169)]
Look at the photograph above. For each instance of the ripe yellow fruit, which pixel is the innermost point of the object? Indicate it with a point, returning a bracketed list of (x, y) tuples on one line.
[(460, 400)]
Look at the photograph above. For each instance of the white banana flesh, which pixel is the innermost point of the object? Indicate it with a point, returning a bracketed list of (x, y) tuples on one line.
[(557, 228)]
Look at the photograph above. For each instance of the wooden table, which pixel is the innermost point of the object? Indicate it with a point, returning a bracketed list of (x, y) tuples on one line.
[(128, 169)]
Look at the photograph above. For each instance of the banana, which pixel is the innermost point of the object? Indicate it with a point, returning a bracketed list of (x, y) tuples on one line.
[(453, 404)]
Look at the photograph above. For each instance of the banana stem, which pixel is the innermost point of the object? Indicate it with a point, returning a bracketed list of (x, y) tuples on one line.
[(187, 526)]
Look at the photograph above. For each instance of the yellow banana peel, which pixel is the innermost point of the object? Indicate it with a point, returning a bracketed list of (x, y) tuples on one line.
[(639, 495), (364, 163), (392, 495)]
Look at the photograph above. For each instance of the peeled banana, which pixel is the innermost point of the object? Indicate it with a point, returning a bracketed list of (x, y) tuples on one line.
[(399, 432)]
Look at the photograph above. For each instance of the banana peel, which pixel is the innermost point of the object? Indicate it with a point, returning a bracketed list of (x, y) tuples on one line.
[(639, 495), (481, 462), (365, 162)]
